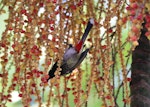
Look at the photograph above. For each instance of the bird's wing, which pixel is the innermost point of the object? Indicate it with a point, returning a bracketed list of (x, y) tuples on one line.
[(83, 55)]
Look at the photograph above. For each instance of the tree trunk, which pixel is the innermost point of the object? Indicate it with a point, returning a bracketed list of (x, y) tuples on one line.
[(140, 84)]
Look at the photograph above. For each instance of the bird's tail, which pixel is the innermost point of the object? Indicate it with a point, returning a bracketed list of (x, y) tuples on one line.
[(87, 30)]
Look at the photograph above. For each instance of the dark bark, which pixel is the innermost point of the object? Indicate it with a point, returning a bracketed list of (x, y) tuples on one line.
[(140, 84)]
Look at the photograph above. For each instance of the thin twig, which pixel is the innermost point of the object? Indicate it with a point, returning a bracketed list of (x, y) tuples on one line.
[(121, 86)]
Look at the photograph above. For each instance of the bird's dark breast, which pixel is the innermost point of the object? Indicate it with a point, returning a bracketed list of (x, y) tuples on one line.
[(65, 69), (68, 65)]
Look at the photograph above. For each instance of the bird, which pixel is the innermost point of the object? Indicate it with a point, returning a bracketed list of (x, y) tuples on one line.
[(73, 55)]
